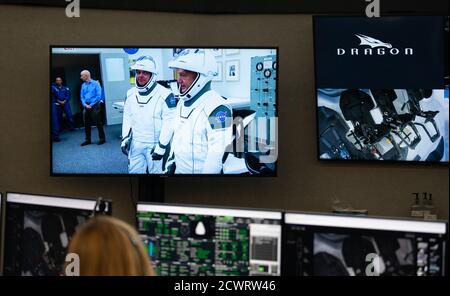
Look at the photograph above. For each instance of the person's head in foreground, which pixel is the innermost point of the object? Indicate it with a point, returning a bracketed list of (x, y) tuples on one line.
[(108, 246)]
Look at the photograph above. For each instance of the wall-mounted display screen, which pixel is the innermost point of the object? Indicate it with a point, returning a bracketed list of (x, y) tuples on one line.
[(381, 88), (163, 111)]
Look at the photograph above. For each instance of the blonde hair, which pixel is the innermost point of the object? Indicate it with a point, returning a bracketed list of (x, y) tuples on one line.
[(108, 246)]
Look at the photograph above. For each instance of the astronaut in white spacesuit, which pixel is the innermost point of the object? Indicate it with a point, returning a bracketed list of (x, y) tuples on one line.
[(147, 120), (203, 120)]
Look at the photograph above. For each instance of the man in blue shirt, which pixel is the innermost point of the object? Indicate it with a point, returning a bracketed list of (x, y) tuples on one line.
[(61, 98), (91, 96)]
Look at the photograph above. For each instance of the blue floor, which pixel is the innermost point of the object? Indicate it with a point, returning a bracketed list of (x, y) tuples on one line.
[(70, 158)]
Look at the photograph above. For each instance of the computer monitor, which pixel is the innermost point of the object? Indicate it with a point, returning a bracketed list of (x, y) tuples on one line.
[(318, 244), (193, 240), (1, 213), (38, 230), (1, 232)]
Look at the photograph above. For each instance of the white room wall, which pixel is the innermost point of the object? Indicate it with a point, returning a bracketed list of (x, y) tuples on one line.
[(238, 89)]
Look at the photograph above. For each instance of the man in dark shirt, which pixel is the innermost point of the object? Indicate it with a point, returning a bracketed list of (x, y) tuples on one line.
[(61, 98)]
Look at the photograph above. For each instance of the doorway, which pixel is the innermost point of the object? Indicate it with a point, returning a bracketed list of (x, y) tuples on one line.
[(68, 67)]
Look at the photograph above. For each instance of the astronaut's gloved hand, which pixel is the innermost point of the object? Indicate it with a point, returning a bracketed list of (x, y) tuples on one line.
[(158, 152), (125, 145), (170, 168)]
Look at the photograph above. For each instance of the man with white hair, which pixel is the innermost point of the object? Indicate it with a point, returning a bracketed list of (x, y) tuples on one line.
[(91, 96), (147, 120)]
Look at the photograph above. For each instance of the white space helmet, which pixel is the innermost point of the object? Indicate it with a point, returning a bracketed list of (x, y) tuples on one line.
[(148, 64), (198, 60)]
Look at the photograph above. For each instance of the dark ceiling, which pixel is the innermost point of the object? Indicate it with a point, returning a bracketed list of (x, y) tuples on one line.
[(388, 7)]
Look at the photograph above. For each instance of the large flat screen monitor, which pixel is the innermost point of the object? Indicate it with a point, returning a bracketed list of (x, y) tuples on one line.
[(382, 88), (1, 233), (192, 240), (163, 111), (333, 245), (38, 230)]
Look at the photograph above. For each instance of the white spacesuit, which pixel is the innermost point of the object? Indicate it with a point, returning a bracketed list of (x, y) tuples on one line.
[(203, 121), (147, 122)]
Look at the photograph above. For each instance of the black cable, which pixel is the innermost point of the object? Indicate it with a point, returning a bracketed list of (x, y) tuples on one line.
[(131, 193)]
